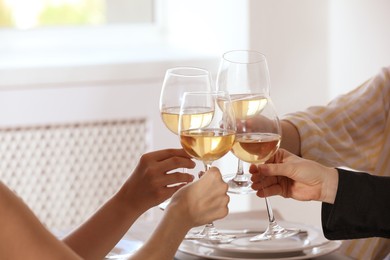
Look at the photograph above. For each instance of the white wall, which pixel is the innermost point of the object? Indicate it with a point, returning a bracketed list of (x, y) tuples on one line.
[(294, 37), (206, 26), (359, 42)]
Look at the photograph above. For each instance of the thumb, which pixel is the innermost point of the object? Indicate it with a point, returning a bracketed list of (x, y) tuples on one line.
[(275, 169)]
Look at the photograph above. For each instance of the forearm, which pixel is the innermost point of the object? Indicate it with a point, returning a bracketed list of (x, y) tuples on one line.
[(170, 232), (290, 138), (23, 236), (361, 208), (100, 233)]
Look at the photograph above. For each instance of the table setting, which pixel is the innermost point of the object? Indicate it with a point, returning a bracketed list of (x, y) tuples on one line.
[(308, 244), (236, 115)]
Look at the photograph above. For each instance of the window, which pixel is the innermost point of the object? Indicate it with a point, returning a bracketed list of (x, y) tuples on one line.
[(48, 33), (21, 14)]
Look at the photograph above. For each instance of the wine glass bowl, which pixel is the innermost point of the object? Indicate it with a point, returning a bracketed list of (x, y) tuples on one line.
[(207, 125), (243, 72), (258, 136), (177, 81), (247, 105)]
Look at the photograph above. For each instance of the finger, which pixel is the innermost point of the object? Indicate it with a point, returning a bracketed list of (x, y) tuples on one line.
[(253, 169), (176, 162), (212, 170), (172, 189), (260, 178), (257, 186), (263, 182), (271, 191), (176, 177), (220, 209), (277, 169), (165, 154), (214, 175)]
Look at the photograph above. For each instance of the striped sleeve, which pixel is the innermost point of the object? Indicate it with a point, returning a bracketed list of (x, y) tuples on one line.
[(349, 131)]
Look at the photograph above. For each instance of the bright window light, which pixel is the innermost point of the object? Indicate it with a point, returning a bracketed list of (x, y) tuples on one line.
[(22, 14)]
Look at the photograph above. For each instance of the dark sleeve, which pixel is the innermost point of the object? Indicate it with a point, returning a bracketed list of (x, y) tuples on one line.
[(361, 208)]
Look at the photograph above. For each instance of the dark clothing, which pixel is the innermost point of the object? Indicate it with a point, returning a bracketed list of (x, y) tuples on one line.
[(361, 208)]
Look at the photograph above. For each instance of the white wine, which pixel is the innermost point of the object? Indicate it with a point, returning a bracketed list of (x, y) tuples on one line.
[(207, 145), (256, 147), (194, 119), (247, 105), (170, 117)]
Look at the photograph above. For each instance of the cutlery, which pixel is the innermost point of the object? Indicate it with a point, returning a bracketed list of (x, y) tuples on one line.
[(249, 231)]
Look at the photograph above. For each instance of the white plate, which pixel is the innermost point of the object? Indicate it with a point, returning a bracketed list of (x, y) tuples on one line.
[(190, 248), (124, 249), (313, 238)]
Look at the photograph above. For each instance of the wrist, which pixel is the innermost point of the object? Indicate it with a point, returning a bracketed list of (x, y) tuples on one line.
[(126, 203), (178, 213), (330, 186)]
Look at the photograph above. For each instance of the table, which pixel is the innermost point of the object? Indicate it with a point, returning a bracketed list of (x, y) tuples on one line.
[(138, 232)]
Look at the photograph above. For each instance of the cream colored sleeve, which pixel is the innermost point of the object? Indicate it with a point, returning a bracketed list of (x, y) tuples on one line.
[(349, 130)]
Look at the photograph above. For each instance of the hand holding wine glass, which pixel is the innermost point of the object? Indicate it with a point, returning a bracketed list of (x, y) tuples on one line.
[(257, 140), (207, 130)]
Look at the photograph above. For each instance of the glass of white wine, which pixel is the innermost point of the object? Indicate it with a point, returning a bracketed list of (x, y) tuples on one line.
[(244, 74), (177, 81), (207, 130), (257, 140)]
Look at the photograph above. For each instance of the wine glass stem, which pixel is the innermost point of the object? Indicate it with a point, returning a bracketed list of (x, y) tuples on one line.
[(270, 212), (207, 166), (240, 169), (209, 228)]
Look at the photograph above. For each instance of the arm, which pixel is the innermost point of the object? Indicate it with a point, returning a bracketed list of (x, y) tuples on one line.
[(145, 188), (361, 208), (22, 236), (341, 132), (291, 141), (196, 204)]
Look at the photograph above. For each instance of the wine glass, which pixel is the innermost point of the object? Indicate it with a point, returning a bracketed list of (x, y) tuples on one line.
[(177, 81), (257, 140), (244, 74), (207, 131)]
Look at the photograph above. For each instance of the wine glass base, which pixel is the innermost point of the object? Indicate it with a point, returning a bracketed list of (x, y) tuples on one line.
[(276, 233), (240, 184), (210, 235), (214, 239)]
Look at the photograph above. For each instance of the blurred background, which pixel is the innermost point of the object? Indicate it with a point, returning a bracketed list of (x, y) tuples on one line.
[(78, 61)]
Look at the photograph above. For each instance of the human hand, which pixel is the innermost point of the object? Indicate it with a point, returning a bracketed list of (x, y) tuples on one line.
[(203, 201), (291, 176), (256, 123), (149, 184)]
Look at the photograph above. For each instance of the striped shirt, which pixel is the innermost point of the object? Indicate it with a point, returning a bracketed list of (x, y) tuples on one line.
[(352, 131)]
